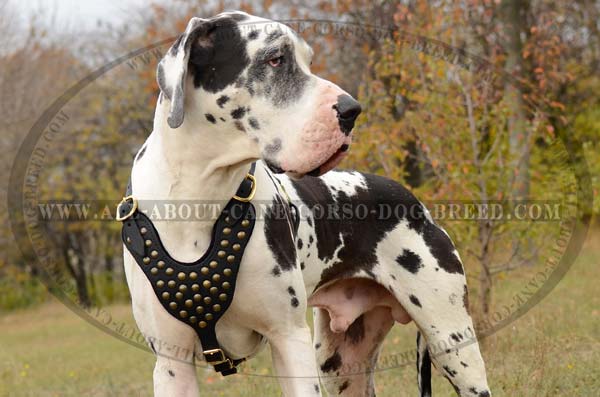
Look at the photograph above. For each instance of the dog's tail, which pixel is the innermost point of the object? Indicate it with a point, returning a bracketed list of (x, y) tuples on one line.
[(423, 367)]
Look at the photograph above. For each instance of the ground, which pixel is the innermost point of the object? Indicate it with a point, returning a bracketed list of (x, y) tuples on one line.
[(554, 350)]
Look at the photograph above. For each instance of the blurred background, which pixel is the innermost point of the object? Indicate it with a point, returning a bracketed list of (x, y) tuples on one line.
[(521, 121)]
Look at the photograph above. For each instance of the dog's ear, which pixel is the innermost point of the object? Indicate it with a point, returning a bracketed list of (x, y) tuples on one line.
[(172, 69)]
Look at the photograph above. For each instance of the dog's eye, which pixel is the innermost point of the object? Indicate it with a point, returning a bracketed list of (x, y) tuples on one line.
[(276, 62)]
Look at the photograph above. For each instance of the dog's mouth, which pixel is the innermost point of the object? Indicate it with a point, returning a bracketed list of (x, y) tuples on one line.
[(331, 162)]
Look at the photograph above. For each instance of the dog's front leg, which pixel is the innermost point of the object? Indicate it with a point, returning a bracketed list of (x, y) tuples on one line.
[(174, 378), (294, 362)]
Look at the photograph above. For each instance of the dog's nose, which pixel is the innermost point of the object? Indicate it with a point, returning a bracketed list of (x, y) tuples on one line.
[(347, 109)]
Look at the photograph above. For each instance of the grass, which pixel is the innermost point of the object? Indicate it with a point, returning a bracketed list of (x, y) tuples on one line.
[(554, 350)]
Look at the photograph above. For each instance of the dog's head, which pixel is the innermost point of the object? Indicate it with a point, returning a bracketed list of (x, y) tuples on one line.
[(252, 75)]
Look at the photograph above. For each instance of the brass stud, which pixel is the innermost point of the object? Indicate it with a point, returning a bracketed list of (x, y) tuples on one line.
[(183, 288), (227, 219), (146, 260), (236, 247), (216, 277), (173, 305), (206, 283), (226, 231), (193, 275), (193, 319), (214, 290), (181, 276), (241, 235), (213, 264), (183, 314), (169, 271), (143, 230), (189, 303), (207, 300), (166, 295), (199, 310), (129, 239), (202, 324), (160, 283), (195, 287), (179, 295), (223, 297), (154, 253), (154, 271), (221, 254), (171, 283), (160, 264), (226, 285), (230, 258), (208, 316), (217, 308), (245, 223), (148, 243), (224, 243), (204, 270), (227, 272), (197, 297)]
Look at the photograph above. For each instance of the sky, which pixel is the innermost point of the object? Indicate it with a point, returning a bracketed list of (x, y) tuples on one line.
[(80, 14)]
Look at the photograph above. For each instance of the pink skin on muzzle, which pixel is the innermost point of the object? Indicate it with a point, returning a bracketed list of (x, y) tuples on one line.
[(317, 148)]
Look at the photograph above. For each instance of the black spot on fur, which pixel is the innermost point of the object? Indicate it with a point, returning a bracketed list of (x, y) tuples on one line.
[(210, 118), (238, 125), (484, 393), (222, 118), (253, 35), (276, 271), (273, 147), (301, 265), (317, 346), (238, 113), (152, 347), (464, 364), (452, 373), (343, 386), (277, 233), (316, 388), (295, 302), (172, 373), (222, 100), (300, 244), (414, 300), (253, 123), (311, 239), (291, 291), (333, 363), (218, 53), (392, 276), (356, 331), (410, 261), (457, 337), (441, 248), (309, 222)]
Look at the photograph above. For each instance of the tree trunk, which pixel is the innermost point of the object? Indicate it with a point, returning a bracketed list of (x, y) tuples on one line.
[(515, 29)]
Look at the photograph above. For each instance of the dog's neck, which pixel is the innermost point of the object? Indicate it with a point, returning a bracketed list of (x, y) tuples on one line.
[(198, 160)]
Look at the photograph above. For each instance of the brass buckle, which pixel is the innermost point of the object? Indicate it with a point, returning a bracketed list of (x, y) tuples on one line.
[(221, 357), (134, 207), (252, 192)]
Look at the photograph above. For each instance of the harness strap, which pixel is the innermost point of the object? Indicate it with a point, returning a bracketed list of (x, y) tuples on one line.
[(196, 293)]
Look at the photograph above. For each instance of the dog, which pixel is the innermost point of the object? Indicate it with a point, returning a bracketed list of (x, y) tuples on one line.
[(237, 89)]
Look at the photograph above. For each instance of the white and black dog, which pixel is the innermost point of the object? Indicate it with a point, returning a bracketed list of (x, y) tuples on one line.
[(237, 89)]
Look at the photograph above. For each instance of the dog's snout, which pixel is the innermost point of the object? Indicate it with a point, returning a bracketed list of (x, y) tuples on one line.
[(347, 109)]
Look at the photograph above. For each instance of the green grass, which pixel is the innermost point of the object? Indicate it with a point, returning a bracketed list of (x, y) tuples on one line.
[(554, 350)]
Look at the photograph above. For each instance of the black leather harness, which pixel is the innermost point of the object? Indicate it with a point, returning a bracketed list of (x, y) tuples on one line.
[(200, 292)]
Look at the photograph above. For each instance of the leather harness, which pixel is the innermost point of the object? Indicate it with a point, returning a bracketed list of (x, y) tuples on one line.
[(200, 292)]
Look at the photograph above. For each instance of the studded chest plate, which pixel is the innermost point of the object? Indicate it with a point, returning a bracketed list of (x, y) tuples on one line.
[(196, 293)]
